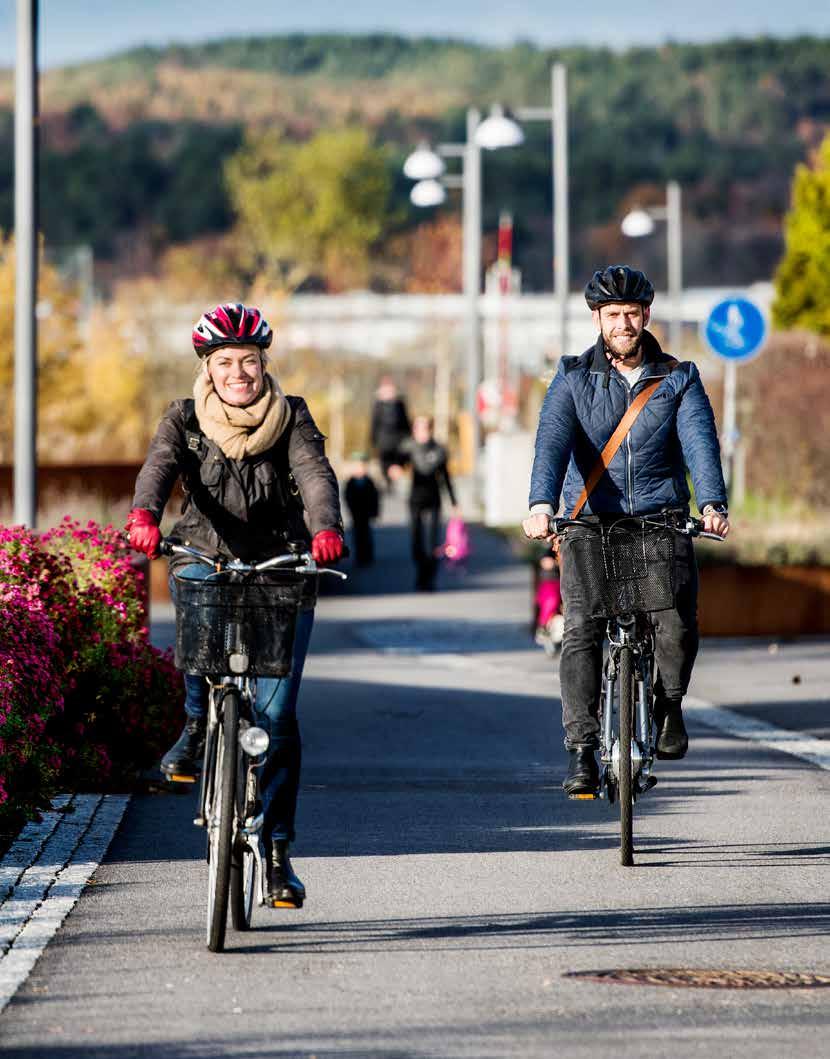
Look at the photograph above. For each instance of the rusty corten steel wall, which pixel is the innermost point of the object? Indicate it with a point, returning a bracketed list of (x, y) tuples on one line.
[(113, 481)]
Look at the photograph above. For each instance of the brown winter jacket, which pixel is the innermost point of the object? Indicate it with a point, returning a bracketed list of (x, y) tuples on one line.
[(245, 508)]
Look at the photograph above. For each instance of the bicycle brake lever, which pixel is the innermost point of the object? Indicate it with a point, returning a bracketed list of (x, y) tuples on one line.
[(334, 573)]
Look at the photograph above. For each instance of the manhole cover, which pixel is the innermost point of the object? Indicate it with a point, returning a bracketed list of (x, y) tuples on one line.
[(689, 978)]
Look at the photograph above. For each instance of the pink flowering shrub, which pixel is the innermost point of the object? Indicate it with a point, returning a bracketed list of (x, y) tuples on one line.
[(30, 696), (85, 699)]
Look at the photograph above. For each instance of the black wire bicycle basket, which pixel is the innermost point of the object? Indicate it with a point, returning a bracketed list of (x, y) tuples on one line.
[(228, 625), (622, 568)]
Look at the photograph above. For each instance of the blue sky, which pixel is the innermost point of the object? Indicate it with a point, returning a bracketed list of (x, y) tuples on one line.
[(73, 30)]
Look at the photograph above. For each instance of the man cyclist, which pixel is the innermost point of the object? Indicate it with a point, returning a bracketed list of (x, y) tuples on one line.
[(674, 431)]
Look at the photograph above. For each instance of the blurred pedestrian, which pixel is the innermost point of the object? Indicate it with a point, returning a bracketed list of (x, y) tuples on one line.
[(429, 477), (456, 549), (549, 624), (363, 503), (390, 425)]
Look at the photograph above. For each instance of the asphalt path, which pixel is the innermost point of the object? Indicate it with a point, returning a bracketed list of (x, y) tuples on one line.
[(451, 885)]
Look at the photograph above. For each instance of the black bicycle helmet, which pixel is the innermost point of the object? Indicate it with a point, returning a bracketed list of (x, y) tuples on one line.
[(618, 283)]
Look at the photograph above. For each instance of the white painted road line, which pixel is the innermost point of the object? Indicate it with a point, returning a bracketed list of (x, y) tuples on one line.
[(87, 839), (808, 748), (741, 725)]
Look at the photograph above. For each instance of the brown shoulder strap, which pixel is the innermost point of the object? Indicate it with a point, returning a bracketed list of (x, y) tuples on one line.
[(614, 442)]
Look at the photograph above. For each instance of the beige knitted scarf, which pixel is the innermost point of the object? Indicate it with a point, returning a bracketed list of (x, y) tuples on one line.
[(241, 432)]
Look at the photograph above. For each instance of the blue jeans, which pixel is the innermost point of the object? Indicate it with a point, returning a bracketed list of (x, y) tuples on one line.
[(275, 710)]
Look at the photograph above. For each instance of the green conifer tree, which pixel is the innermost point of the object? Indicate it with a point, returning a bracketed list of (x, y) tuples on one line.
[(802, 281)]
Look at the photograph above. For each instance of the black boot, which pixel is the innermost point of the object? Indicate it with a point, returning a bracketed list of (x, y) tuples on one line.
[(583, 771), (672, 740), (184, 758), (284, 888)]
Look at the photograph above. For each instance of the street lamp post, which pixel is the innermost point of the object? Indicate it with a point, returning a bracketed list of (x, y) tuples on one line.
[(497, 131), (471, 225), (25, 241), (427, 167), (638, 223), (500, 131)]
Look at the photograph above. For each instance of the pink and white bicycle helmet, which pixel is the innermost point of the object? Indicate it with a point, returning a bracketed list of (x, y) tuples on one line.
[(232, 324)]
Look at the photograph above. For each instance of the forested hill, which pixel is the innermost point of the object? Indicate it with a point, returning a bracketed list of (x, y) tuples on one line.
[(134, 143)]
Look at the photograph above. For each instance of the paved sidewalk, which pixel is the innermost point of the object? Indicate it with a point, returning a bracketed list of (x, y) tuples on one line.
[(451, 885)]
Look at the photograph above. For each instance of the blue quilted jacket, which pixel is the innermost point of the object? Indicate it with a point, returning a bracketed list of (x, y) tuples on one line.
[(676, 429)]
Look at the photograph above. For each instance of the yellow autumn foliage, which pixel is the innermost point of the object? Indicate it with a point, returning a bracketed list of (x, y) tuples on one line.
[(91, 382)]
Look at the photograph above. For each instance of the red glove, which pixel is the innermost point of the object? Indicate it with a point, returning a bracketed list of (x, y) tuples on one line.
[(327, 546), (144, 532)]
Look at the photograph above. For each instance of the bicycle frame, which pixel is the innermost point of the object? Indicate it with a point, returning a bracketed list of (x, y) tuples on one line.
[(229, 794), (628, 747), (637, 633), (246, 831)]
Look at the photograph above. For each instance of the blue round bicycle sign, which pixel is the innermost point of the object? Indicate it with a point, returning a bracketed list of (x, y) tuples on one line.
[(735, 329)]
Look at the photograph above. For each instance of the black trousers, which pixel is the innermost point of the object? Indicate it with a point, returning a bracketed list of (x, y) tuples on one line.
[(426, 523), (364, 545), (580, 665), (389, 457)]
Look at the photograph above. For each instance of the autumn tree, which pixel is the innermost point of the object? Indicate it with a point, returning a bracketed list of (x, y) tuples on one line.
[(786, 426), (314, 208), (106, 395), (58, 344), (434, 255), (92, 372), (802, 282)]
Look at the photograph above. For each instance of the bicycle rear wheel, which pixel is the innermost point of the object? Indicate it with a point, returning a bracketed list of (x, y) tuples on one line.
[(243, 862), (626, 785), (220, 818)]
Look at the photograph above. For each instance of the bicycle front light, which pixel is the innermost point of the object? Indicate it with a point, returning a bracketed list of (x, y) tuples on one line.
[(254, 741), (238, 662)]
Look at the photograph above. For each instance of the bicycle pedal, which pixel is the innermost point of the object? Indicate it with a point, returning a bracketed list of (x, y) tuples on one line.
[(586, 797), (176, 777), (286, 904), (200, 821)]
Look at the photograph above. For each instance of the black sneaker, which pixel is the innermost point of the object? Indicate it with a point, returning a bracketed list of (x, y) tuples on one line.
[(183, 761), (284, 888), (672, 740), (583, 772)]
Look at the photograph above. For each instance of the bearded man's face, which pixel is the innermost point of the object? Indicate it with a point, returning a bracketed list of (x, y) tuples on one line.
[(622, 325)]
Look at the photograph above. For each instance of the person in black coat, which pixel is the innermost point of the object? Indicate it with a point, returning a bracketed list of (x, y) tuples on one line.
[(364, 505), (429, 476), (390, 426)]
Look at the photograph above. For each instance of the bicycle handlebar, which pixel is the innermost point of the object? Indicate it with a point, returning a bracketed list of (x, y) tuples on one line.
[(308, 568), (693, 526)]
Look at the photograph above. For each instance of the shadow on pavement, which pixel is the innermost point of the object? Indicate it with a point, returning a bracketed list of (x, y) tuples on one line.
[(250, 1048), (595, 928), (405, 769)]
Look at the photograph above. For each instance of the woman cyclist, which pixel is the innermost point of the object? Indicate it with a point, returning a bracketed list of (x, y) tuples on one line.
[(255, 476)]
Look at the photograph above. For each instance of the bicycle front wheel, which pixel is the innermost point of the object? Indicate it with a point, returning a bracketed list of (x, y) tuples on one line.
[(243, 862), (626, 783), (220, 819)]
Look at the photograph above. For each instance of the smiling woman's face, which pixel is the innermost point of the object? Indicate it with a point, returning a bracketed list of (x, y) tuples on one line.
[(236, 373)]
